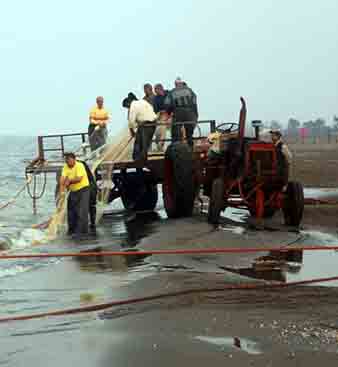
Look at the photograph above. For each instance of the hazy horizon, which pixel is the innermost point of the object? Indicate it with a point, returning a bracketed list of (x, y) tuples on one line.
[(57, 57)]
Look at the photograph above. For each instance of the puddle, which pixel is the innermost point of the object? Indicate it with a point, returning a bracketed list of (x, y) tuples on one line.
[(320, 238), (317, 264), (315, 193), (129, 229), (245, 345), (293, 266), (113, 264)]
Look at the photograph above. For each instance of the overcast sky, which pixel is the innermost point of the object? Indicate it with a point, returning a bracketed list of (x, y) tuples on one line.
[(57, 56)]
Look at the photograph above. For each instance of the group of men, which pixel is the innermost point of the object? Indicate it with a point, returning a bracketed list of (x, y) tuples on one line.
[(158, 111)]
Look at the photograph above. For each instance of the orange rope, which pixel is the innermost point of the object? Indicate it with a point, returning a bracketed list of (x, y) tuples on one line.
[(168, 252), (104, 306)]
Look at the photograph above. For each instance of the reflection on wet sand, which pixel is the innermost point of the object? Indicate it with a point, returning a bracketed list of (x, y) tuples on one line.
[(273, 267), (100, 263), (129, 231), (293, 265)]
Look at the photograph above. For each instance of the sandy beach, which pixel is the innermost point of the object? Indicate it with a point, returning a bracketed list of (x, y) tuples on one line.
[(239, 327)]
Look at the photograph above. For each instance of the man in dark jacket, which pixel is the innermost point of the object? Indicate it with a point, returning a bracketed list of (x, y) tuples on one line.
[(164, 118), (182, 103), (149, 93)]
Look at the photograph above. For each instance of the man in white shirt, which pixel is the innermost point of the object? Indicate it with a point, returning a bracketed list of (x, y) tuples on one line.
[(141, 123)]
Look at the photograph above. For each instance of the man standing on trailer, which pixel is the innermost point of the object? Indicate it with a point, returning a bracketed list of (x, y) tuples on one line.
[(142, 124), (98, 121), (164, 118), (75, 179), (149, 95), (284, 156), (182, 103)]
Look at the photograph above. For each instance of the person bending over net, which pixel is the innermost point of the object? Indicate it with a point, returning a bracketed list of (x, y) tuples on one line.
[(74, 178)]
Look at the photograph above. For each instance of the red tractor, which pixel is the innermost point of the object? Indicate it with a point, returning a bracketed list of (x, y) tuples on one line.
[(245, 174), (248, 175)]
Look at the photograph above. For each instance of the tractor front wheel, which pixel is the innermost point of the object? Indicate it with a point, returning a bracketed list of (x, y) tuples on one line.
[(293, 207), (216, 204)]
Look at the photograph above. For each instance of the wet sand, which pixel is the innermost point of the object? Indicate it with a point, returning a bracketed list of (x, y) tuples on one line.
[(266, 327)]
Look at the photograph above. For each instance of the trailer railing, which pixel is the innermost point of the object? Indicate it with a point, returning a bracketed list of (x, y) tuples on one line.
[(61, 144), (211, 123)]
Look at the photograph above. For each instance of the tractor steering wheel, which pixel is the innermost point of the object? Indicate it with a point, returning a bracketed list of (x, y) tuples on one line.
[(227, 128)]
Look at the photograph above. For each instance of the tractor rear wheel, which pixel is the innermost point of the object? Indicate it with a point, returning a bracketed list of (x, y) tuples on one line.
[(178, 184), (216, 204), (293, 207)]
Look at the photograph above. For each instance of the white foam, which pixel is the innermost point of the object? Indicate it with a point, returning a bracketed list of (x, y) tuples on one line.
[(327, 238), (13, 270), (29, 237)]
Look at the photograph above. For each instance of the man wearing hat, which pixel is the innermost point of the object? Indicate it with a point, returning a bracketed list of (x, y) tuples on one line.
[(142, 124), (284, 156), (182, 103)]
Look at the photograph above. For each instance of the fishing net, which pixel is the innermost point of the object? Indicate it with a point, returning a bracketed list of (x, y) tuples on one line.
[(117, 149)]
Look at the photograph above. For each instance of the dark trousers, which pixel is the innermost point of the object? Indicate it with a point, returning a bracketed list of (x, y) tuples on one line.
[(181, 116), (78, 209), (97, 138), (143, 139), (92, 205)]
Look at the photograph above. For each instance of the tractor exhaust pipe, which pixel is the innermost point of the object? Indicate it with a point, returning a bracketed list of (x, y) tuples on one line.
[(242, 121)]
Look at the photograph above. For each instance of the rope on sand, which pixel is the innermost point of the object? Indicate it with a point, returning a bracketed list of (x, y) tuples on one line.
[(228, 287), (169, 252)]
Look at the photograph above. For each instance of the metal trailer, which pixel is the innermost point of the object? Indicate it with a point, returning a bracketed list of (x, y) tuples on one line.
[(134, 182)]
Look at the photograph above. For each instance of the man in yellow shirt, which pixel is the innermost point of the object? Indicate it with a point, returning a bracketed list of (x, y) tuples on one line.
[(98, 121), (74, 178)]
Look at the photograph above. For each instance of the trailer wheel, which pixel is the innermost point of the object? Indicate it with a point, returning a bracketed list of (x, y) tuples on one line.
[(216, 204), (178, 184), (146, 198), (137, 190), (293, 207)]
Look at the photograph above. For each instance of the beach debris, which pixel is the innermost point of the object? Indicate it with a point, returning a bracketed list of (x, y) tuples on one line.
[(87, 297)]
